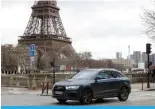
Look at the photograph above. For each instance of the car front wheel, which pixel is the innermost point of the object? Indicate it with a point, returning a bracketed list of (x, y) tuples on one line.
[(86, 97), (124, 94)]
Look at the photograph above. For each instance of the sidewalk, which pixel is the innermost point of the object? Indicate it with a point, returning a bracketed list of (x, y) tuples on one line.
[(138, 86)]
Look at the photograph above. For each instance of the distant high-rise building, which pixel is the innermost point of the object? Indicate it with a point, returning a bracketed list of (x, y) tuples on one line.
[(144, 57), (124, 62), (152, 58), (128, 52), (118, 55), (131, 57), (137, 57)]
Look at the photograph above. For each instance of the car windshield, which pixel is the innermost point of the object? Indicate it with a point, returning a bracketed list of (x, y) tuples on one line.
[(85, 74)]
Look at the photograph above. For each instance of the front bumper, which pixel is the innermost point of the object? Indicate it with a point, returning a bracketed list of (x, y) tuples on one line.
[(66, 94)]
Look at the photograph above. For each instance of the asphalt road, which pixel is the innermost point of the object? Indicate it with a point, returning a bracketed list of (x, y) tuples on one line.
[(16, 97)]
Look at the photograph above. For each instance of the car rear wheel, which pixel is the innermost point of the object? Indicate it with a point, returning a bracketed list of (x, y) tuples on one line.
[(86, 97), (124, 94), (62, 100)]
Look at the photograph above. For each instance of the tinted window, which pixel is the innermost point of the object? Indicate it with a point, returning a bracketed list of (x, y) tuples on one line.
[(121, 73), (115, 74), (104, 75), (85, 74)]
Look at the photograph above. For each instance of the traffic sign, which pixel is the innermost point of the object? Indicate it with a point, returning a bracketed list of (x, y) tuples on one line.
[(32, 50), (32, 47), (32, 53)]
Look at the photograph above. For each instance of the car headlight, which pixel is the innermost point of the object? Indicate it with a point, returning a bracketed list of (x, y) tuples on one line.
[(72, 87)]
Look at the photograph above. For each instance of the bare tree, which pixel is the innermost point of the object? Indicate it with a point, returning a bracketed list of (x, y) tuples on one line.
[(85, 55), (84, 59), (15, 58), (149, 19), (9, 58)]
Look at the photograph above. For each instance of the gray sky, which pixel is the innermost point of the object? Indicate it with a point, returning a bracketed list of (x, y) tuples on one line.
[(100, 26)]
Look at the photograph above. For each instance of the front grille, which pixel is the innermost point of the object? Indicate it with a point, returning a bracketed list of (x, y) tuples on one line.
[(59, 88), (71, 94)]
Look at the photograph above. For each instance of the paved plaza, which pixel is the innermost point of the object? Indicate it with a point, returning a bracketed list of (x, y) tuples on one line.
[(22, 96)]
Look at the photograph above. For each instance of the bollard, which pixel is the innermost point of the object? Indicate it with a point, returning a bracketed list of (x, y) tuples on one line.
[(45, 87), (28, 83), (11, 81), (142, 84)]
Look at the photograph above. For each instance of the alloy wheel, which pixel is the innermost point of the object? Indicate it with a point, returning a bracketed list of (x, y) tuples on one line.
[(86, 97), (124, 93)]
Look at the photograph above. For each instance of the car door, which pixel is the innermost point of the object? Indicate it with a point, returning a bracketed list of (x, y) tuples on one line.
[(115, 82), (101, 85)]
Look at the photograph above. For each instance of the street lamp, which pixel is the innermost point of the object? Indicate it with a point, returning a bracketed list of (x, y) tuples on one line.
[(148, 51), (53, 65)]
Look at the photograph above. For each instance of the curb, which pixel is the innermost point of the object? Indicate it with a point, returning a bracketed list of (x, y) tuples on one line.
[(137, 90), (45, 95), (149, 89)]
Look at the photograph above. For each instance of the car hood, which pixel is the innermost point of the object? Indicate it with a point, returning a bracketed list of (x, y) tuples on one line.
[(74, 82)]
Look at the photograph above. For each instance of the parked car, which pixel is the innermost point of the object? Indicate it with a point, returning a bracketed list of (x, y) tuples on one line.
[(91, 84)]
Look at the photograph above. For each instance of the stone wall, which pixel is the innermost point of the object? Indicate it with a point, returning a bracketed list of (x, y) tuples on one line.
[(31, 80), (14, 81), (137, 78), (36, 80)]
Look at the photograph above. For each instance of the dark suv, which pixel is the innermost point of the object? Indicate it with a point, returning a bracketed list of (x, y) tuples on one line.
[(91, 84)]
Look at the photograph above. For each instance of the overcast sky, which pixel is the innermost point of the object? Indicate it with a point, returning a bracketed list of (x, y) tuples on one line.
[(102, 27)]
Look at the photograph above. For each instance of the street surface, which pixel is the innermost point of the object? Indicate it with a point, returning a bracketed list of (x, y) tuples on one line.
[(21, 96)]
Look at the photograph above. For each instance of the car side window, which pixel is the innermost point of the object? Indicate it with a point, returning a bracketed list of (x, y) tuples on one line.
[(121, 74), (115, 74), (104, 75)]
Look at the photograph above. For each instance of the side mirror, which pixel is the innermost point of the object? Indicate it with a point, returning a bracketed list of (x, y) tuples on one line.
[(97, 78)]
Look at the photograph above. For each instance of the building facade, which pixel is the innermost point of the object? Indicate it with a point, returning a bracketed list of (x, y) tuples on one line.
[(127, 63), (152, 58), (131, 57), (144, 57), (118, 55), (137, 57), (14, 59)]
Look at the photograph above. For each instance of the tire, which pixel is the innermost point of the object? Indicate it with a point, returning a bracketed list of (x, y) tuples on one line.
[(124, 94), (86, 97), (62, 100)]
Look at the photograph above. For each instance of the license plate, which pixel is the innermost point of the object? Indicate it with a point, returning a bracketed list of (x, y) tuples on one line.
[(58, 92)]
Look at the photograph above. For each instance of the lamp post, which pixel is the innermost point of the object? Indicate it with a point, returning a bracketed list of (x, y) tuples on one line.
[(148, 51), (53, 65)]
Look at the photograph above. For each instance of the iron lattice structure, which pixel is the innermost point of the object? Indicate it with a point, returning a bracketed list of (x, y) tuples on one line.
[(45, 29), (45, 21)]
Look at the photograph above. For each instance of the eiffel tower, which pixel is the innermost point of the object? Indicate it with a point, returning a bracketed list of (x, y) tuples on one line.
[(46, 31)]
